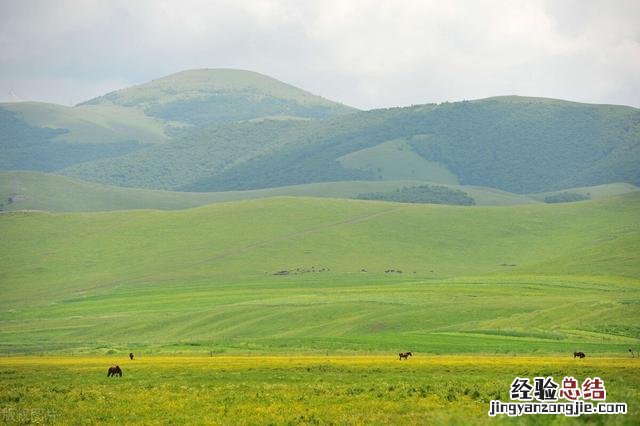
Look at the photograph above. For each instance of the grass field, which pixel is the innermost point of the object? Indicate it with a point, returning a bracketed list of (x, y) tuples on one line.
[(49, 192), (292, 310), (317, 275), (293, 389)]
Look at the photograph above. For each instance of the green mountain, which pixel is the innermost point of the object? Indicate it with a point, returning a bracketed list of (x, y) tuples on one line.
[(48, 137), (217, 96), (222, 130), (519, 145), (300, 274), (515, 144)]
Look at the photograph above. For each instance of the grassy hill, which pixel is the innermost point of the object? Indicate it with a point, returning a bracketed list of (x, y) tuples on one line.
[(216, 96), (48, 137), (519, 145), (285, 274), (220, 130), (397, 160), (90, 124), (40, 191), (593, 192)]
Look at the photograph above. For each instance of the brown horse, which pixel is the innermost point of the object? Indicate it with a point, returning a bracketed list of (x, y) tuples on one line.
[(579, 355), (405, 355), (114, 370)]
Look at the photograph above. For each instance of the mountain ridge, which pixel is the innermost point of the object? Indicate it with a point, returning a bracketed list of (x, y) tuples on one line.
[(223, 129)]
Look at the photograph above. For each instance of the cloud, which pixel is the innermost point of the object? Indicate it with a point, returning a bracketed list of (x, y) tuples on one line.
[(363, 53)]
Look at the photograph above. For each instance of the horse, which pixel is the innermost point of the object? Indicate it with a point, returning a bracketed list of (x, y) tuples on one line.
[(405, 355), (578, 354), (131, 356), (114, 370)]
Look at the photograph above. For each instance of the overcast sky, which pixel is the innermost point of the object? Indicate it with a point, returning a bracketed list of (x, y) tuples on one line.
[(366, 54)]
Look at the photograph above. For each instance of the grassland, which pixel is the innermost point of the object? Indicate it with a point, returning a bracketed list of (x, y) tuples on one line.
[(292, 274), (41, 191), (291, 310), (292, 389)]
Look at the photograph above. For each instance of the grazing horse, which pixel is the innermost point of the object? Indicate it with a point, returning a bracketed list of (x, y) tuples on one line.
[(405, 355), (578, 354), (131, 356), (114, 370)]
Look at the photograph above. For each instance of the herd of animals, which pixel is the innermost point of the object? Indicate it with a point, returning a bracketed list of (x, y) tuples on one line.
[(115, 370)]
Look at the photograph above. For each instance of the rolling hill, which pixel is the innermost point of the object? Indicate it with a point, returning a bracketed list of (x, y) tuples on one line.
[(48, 137), (324, 274), (222, 130), (516, 145), (40, 191), (218, 96)]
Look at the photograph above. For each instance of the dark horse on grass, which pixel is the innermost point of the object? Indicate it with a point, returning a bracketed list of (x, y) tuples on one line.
[(578, 354), (114, 370), (405, 355)]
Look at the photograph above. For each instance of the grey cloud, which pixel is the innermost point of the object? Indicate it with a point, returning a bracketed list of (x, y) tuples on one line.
[(363, 53)]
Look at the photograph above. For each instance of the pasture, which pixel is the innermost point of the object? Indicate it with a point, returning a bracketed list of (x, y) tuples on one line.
[(293, 310), (292, 389), (310, 314)]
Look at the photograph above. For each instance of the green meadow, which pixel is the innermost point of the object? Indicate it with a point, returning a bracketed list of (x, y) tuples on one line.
[(293, 310), (300, 275), (306, 390)]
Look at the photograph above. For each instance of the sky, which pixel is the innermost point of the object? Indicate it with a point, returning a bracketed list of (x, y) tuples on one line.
[(367, 54)]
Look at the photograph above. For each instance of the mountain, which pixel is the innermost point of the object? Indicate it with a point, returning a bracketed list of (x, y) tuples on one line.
[(48, 137), (216, 96), (519, 145), (222, 130), (515, 144)]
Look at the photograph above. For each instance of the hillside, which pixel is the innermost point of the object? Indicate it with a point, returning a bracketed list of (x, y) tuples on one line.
[(48, 137), (375, 273), (216, 96), (221, 130), (519, 145), (40, 191)]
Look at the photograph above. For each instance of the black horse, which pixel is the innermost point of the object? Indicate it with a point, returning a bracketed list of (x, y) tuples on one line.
[(131, 356), (114, 370), (578, 354), (405, 355)]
